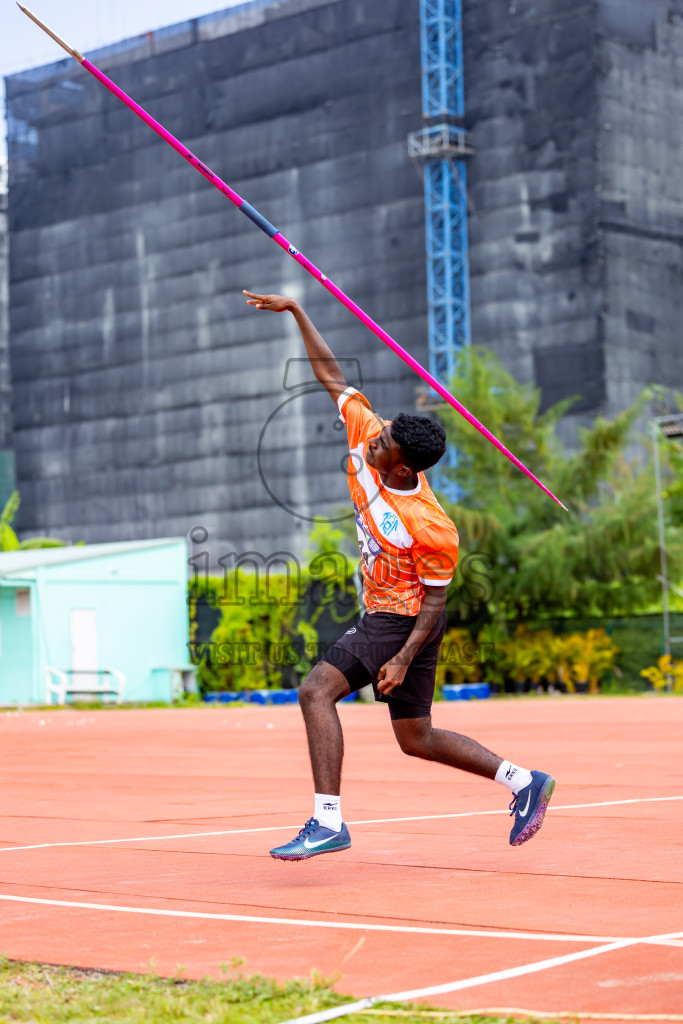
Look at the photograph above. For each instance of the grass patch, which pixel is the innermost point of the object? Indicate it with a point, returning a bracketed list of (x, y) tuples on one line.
[(45, 994)]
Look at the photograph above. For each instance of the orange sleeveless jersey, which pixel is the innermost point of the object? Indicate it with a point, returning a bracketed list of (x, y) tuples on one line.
[(405, 537)]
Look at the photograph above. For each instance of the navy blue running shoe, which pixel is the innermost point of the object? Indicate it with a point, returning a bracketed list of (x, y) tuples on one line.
[(313, 839), (529, 807)]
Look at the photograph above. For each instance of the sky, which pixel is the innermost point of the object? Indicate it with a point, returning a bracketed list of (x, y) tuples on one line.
[(85, 25)]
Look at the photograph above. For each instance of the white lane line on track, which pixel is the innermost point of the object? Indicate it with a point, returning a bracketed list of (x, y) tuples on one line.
[(345, 925), (369, 821), (298, 922), (481, 979)]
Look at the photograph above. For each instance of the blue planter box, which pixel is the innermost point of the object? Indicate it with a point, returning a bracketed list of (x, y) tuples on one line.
[(223, 697), (272, 696), (466, 691), (261, 697), (283, 696)]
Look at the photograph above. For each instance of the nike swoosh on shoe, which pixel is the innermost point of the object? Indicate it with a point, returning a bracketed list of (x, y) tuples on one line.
[(524, 813), (319, 842)]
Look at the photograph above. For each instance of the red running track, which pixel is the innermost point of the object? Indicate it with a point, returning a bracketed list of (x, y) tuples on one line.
[(171, 813)]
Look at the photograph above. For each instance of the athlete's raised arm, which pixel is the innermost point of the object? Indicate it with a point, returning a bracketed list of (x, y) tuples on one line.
[(324, 365)]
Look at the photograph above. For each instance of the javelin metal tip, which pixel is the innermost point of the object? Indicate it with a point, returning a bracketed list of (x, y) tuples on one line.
[(53, 35)]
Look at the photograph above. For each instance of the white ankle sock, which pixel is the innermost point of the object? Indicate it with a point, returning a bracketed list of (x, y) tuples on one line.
[(513, 777), (328, 811)]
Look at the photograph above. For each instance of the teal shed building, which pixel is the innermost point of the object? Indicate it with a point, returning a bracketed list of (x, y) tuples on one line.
[(103, 619)]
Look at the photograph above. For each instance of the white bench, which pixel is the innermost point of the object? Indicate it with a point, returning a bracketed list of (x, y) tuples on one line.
[(109, 682), (175, 681)]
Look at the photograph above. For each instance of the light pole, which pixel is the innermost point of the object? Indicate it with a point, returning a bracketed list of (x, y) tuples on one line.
[(670, 427)]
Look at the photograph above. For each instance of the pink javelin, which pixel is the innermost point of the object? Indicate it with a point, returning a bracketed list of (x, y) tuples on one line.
[(278, 237)]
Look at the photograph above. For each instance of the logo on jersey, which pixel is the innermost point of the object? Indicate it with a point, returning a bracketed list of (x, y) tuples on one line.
[(367, 545), (389, 523)]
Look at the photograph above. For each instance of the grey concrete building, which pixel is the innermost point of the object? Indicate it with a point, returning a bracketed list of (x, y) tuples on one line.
[(148, 400)]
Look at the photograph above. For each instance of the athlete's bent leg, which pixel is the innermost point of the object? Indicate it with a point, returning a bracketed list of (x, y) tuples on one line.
[(418, 738), (318, 696), (531, 790)]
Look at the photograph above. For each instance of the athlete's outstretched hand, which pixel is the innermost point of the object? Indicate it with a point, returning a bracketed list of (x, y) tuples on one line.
[(324, 365), (275, 303)]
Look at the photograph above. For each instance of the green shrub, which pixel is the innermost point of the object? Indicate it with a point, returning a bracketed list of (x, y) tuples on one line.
[(459, 659), (530, 658), (267, 634)]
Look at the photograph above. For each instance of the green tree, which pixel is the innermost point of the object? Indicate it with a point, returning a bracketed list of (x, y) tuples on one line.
[(601, 557), (671, 452), (8, 538)]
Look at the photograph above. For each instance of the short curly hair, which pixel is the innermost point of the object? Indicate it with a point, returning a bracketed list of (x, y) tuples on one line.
[(421, 440)]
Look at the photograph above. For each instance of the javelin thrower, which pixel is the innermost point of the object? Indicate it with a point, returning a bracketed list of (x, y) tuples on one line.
[(409, 552)]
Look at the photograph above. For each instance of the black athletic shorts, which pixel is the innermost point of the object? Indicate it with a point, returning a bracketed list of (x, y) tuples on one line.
[(375, 639)]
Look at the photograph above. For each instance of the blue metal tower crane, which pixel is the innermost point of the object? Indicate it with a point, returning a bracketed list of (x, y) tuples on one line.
[(441, 147)]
